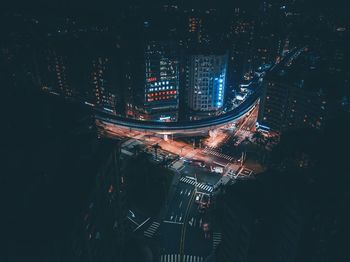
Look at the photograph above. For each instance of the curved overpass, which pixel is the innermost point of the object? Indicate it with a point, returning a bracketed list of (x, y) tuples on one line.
[(183, 127)]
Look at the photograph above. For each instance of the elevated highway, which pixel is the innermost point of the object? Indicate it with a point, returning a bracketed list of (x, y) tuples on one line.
[(184, 127)]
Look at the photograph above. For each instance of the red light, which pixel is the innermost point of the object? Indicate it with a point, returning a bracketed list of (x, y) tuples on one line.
[(151, 79)]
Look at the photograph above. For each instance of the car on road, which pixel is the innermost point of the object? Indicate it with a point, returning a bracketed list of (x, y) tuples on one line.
[(231, 172), (206, 230), (198, 197), (205, 201), (217, 169)]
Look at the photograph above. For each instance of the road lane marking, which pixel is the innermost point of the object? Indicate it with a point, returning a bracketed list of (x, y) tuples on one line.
[(133, 221), (172, 222), (183, 230), (142, 224)]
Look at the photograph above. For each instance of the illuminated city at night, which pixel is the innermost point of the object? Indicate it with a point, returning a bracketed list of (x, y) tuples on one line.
[(175, 131)]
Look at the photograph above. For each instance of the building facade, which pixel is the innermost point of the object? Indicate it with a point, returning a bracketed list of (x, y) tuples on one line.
[(293, 96), (206, 81), (104, 97), (161, 86)]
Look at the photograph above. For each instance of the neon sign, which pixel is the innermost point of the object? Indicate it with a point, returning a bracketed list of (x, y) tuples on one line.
[(151, 79)]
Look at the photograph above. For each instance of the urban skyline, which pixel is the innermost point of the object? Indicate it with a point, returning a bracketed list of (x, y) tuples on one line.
[(175, 131)]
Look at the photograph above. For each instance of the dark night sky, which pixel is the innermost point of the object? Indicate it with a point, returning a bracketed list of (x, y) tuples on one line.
[(110, 5)]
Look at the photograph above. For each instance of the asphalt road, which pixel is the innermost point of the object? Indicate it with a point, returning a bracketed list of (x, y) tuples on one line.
[(181, 228), (174, 217)]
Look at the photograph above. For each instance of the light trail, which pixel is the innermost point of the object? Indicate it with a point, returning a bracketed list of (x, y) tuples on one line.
[(185, 127)]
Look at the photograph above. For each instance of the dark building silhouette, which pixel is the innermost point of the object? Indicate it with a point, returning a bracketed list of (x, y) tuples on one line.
[(278, 218), (294, 94), (102, 233)]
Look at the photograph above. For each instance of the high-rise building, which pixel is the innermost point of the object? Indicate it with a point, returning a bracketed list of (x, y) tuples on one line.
[(104, 96), (206, 81), (58, 69), (242, 35), (161, 92), (294, 95), (195, 29)]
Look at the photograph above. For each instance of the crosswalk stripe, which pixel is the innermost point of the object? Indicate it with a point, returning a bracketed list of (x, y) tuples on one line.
[(194, 183), (148, 234), (216, 153), (177, 258), (216, 239), (152, 229)]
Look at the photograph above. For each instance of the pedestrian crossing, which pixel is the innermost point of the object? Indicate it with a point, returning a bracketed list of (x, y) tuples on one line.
[(216, 240), (213, 151), (177, 258), (194, 183), (151, 230)]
